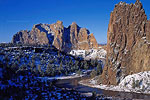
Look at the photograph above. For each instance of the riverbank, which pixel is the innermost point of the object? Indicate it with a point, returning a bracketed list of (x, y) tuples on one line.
[(137, 83), (71, 76), (85, 91)]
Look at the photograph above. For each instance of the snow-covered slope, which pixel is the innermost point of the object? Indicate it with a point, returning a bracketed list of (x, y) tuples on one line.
[(139, 83), (90, 54)]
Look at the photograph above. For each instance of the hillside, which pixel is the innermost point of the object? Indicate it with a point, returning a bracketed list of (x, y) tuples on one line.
[(30, 71)]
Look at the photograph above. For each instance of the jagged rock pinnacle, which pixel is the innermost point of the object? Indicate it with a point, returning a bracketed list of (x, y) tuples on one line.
[(137, 1), (74, 23), (127, 53), (59, 22), (56, 34)]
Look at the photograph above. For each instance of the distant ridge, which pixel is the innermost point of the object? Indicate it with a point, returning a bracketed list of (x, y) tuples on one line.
[(65, 39)]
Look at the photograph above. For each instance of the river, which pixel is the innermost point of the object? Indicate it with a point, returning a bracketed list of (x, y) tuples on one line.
[(73, 84)]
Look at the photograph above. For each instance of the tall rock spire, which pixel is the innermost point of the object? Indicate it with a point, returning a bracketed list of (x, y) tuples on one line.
[(128, 49)]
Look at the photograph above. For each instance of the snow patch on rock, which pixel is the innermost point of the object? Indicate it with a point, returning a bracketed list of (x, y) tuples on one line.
[(90, 54)]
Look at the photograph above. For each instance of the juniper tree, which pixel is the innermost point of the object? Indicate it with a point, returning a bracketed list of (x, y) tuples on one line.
[(58, 54), (76, 65), (43, 62), (79, 72), (19, 60), (32, 65), (93, 73), (99, 69), (33, 57), (35, 70), (15, 66), (39, 68), (71, 62), (60, 67), (23, 67), (51, 61), (86, 66), (76, 62), (49, 69), (6, 59)]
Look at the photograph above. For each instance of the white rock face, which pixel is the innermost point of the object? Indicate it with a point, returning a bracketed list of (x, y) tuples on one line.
[(90, 54)]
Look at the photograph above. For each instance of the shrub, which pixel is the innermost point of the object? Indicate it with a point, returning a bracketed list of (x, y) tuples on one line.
[(86, 66), (79, 72), (39, 69), (137, 83), (49, 69), (93, 73), (99, 69)]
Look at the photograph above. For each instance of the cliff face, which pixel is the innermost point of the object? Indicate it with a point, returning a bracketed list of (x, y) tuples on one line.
[(128, 42), (62, 38)]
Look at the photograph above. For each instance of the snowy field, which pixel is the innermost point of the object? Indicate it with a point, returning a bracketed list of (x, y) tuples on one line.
[(138, 83)]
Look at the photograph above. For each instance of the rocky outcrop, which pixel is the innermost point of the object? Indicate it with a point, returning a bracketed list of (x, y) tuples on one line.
[(65, 39), (128, 43)]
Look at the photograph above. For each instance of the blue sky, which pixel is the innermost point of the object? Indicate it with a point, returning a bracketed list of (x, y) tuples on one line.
[(16, 15)]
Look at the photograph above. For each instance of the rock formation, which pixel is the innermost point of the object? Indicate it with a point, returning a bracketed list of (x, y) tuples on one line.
[(128, 43), (65, 39)]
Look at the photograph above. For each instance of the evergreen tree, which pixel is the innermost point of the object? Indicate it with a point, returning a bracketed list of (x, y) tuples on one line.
[(39, 69), (93, 73), (19, 60), (33, 57), (43, 62), (32, 65), (86, 66), (66, 72), (58, 54), (56, 59), (76, 65), (6, 59), (93, 63), (27, 56), (71, 62), (35, 70), (49, 69), (76, 62), (15, 66), (23, 67), (79, 72), (51, 61), (99, 69), (60, 67)]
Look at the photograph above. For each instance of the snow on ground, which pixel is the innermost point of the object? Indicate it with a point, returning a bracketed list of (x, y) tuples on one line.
[(71, 76), (61, 77), (139, 83), (90, 54)]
